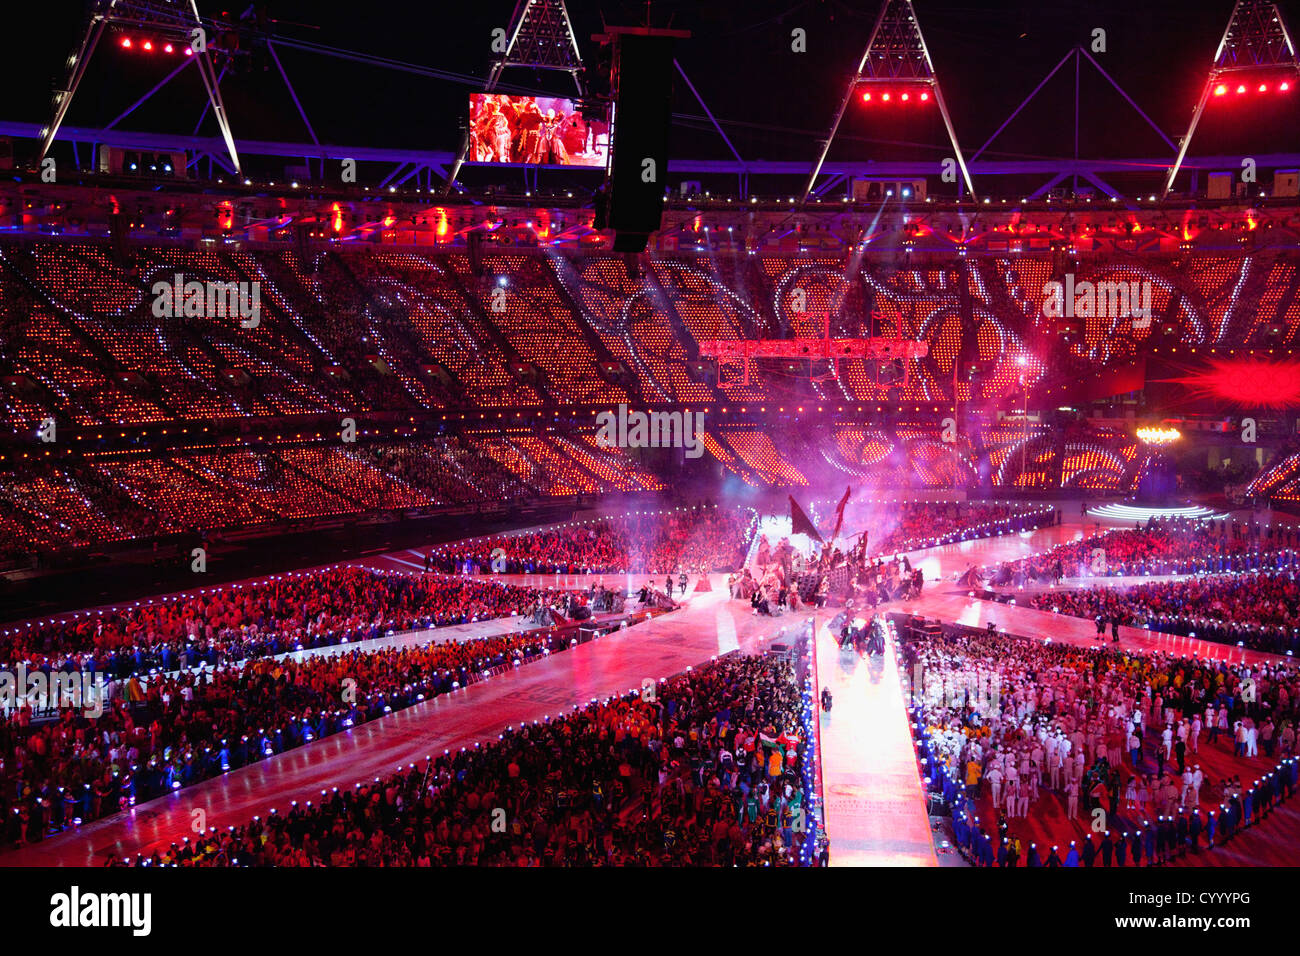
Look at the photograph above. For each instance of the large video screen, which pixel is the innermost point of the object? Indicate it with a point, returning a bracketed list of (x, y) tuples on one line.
[(546, 130)]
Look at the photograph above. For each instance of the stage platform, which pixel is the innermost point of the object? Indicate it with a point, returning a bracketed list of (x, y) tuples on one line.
[(875, 804)]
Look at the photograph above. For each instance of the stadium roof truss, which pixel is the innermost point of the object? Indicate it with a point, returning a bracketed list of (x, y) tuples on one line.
[(541, 37), (175, 19), (1256, 38), (896, 51)]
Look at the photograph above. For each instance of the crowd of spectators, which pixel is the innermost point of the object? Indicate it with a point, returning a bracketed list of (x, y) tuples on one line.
[(704, 771), (1162, 546), (1256, 609), (1006, 723), (167, 732), (907, 526), (450, 470), (696, 540), (284, 613)]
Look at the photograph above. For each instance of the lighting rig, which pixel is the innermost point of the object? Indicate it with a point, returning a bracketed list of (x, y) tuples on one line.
[(1255, 57)]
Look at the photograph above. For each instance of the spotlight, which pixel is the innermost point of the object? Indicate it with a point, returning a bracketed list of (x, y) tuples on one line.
[(126, 43), (1220, 90)]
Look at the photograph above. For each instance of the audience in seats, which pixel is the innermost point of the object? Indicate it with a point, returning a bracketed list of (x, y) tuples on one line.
[(284, 613), (1254, 609), (1014, 729), (697, 540), (1163, 546), (705, 771), (165, 732)]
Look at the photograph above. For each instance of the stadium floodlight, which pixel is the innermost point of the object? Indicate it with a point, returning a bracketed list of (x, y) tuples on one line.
[(180, 21), (1255, 40), (896, 58)]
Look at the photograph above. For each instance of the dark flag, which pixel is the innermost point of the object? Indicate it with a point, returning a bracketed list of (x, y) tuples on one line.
[(839, 512), (800, 524)]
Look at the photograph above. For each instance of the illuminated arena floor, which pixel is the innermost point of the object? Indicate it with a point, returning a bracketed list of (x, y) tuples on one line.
[(875, 807)]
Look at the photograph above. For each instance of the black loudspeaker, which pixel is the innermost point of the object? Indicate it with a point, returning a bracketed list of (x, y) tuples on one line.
[(302, 241), (643, 90), (118, 231), (474, 240)]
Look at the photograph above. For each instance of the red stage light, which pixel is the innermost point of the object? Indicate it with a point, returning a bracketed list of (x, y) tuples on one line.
[(1241, 88), (1263, 87), (126, 42), (1248, 382), (1220, 90), (885, 97), (189, 52), (866, 97), (168, 48), (905, 97), (924, 97), (1284, 86), (148, 45)]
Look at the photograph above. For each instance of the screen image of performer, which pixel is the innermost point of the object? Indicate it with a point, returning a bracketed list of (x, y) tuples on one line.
[(530, 129), (528, 125), (550, 143)]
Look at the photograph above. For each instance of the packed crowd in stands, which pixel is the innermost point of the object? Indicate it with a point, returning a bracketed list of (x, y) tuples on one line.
[(1162, 546), (704, 772), (449, 470), (907, 526), (1256, 609), (170, 731), (111, 501), (700, 539), (1008, 723), (284, 613)]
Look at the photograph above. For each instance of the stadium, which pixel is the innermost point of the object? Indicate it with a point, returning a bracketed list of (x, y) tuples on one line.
[(501, 438)]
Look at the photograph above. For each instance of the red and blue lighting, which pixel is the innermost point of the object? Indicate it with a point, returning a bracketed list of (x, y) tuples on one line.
[(1242, 87), (150, 45), (889, 96)]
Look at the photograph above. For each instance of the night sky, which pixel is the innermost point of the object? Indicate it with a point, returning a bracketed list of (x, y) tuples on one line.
[(775, 103)]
